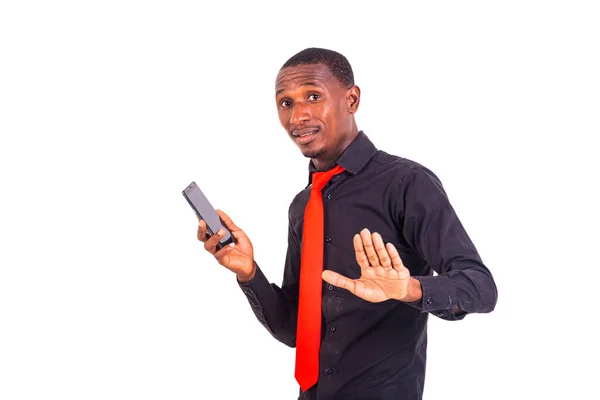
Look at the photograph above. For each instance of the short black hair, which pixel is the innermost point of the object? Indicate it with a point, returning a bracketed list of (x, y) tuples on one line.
[(336, 62)]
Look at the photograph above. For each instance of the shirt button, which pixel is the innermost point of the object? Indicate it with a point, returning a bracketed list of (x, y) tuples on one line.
[(328, 197), (429, 301), (332, 329), (327, 239), (330, 288), (329, 371)]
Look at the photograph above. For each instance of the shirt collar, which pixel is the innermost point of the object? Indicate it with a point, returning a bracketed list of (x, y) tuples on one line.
[(353, 159)]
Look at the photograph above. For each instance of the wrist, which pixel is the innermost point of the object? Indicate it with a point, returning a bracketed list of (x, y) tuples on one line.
[(414, 291), (247, 277)]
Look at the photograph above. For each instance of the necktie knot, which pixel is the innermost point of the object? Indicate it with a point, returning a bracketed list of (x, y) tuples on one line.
[(320, 179)]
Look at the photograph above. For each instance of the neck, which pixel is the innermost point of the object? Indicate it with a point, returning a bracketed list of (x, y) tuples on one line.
[(326, 160)]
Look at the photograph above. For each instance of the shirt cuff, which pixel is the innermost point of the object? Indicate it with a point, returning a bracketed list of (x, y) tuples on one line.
[(258, 289), (439, 297)]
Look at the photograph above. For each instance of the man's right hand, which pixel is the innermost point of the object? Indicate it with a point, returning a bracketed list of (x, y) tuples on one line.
[(239, 257)]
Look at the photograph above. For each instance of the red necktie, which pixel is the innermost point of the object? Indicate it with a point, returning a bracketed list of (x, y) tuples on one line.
[(308, 335)]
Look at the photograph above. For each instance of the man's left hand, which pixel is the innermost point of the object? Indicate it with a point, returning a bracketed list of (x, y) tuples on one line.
[(383, 275)]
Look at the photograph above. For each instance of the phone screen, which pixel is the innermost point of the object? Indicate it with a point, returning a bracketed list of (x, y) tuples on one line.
[(205, 210)]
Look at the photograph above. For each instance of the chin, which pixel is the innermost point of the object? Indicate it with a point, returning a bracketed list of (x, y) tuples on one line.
[(314, 153)]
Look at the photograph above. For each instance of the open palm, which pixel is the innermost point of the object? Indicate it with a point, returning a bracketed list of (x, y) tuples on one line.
[(383, 275)]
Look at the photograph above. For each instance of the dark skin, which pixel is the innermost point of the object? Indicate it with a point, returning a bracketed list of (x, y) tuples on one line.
[(317, 111), (308, 98)]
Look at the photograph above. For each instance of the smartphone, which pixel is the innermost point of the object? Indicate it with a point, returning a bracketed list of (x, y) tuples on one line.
[(205, 211)]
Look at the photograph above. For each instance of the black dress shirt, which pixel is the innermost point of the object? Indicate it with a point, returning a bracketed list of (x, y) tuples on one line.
[(377, 350)]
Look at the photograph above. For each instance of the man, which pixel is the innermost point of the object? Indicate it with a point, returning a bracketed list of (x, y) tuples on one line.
[(364, 239)]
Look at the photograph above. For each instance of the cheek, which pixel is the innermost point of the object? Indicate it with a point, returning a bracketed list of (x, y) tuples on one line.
[(338, 117), (341, 110), (331, 117), (283, 118), (325, 114)]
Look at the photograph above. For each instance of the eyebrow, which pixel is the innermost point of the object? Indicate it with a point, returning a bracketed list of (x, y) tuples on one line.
[(308, 83)]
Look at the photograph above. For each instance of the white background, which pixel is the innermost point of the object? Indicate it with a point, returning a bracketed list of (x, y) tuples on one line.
[(109, 109)]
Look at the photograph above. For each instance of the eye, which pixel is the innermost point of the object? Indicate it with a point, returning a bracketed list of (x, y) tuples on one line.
[(285, 103), (314, 97)]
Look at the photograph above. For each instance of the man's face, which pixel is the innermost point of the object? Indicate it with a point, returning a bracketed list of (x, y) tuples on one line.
[(314, 108)]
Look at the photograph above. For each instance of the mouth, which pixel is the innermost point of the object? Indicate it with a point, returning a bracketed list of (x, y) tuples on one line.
[(305, 135)]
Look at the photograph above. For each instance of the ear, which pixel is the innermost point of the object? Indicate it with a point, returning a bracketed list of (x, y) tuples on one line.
[(353, 96)]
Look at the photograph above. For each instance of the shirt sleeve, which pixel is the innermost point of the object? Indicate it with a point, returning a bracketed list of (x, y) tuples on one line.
[(277, 308), (432, 228)]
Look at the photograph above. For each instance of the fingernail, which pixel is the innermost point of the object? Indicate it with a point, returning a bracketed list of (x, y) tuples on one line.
[(220, 232)]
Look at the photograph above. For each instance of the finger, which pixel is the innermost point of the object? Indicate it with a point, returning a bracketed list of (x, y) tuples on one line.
[(382, 254), (369, 249), (202, 234), (227, 220), (397, 261), (211, 244), (233, 228), (224, 252), (340, 281), (361, 257)]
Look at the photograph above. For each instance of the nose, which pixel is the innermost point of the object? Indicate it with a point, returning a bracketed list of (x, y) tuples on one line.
[(300, 115)]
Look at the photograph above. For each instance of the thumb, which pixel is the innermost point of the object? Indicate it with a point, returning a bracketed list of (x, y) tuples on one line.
[(228, 222), (233, 228), (338, 280)]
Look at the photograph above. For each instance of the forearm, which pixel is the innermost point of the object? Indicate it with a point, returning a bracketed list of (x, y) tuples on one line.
[(432, 228), (453, 294), (270, 305)]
